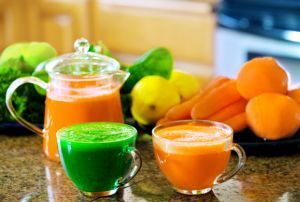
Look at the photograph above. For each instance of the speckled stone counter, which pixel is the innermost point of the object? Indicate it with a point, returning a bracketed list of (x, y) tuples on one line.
[(25, 175)]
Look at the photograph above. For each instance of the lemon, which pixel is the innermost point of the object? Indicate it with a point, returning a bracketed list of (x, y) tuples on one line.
[(186, 84), (152, 97)]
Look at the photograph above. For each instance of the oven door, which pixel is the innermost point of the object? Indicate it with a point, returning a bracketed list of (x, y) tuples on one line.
[(233, 48)]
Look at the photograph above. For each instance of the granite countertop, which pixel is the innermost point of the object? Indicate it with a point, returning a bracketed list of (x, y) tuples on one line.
[(25, 175)]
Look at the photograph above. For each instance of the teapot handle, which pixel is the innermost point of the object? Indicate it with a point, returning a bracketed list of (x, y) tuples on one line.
[(9, 93)]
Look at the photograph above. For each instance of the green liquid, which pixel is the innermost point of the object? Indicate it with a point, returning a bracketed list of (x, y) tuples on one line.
[(96, 155)]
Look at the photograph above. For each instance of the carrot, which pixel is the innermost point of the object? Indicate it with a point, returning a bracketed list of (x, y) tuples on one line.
[(238, 122), (215, 100), (183, 110), (162, 120), (229, 111)]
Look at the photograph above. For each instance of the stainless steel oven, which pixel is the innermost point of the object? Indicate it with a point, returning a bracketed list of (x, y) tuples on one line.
[(251, 28)]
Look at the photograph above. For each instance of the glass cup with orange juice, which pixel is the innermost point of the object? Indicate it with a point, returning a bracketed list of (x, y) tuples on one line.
[(193, 155), (83, 87)]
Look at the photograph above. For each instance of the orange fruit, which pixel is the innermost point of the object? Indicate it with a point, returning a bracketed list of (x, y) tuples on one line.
[(261, 75), (273, 116)]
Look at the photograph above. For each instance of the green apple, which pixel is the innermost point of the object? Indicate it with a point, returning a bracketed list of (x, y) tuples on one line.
[(14, 51), (37, 52)]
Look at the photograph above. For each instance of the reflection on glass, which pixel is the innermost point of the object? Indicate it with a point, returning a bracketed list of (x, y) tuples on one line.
[(59, 187)]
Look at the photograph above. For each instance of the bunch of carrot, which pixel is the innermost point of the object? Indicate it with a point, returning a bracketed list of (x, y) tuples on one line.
[(219, 101)]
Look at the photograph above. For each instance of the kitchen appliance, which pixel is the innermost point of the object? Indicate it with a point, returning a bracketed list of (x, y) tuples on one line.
[(252, 28)]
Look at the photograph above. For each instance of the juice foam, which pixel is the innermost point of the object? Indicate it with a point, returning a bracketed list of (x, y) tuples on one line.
[(193, 139), (97, 132)]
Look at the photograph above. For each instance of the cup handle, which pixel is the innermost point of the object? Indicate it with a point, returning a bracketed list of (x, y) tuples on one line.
[(241, 162), (9, 93), (137, 164)]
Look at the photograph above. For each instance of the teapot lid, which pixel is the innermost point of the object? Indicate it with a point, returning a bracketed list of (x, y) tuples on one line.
[(82, 62)]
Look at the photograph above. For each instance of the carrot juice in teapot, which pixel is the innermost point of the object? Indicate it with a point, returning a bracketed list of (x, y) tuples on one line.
[(82, 87)]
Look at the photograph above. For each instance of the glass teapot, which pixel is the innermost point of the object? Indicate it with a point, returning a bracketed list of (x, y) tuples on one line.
[(82, 87)]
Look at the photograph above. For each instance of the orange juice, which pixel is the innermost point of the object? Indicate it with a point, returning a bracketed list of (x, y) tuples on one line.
[(192, 155), (66, 109)]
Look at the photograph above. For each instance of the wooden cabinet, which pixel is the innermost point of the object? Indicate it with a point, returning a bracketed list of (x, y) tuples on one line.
[(133, 26), (55, 21), (126, 26), (58, 22), (12, 24)]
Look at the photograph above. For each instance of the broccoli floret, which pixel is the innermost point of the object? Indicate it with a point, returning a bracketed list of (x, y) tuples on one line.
[(25, 100)]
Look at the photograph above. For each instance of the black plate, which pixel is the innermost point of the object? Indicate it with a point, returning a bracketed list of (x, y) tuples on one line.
[(254, 145), (14, 128)]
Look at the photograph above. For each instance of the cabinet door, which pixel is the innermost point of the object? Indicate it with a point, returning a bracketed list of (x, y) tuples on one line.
[(12, 24), (58, 22), (132, 26)]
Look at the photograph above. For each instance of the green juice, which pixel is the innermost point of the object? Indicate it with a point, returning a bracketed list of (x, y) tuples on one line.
[(96, 155)]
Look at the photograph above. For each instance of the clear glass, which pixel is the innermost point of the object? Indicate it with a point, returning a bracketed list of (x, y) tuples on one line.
[(125, 182), (83, 87), (82, 62), (193, 154), (99, 168)]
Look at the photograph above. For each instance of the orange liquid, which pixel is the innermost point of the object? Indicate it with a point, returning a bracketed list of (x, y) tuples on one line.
[(62, 112), (194, 155)]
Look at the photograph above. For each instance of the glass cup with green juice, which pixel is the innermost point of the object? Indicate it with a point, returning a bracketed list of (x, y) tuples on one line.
[(99, 157)]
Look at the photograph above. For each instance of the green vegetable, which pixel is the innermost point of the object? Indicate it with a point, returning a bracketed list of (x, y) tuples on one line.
[(41, 73), (26, 101), (19, 60), (126, 104), (100, 48), (94, 48), (157, 61)]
